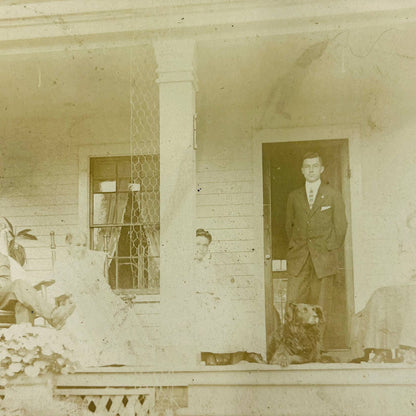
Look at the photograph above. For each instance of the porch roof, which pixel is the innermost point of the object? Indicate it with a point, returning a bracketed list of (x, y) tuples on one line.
[(75, 24)]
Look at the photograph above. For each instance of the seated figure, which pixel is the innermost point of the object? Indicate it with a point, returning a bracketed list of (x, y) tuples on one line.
[(27, 302), (385, 330), (108, 330), (218, 325)]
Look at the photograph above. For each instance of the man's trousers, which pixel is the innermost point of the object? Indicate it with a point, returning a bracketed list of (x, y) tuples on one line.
[(28, 303)]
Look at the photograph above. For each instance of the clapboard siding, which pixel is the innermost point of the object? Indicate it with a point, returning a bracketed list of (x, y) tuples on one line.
[(222, 165), (40, 192), (221, 223), (224, 199), (220, 246), (50, 166), (44, 230), (209, 176), (29, 221), (213, 188), (44, 179), (234, 258), (36, 200), (39, 264), (238, 269), (225, 207), (234, 234), (242, 210), (43, 210), (242, 281), (29, 190)]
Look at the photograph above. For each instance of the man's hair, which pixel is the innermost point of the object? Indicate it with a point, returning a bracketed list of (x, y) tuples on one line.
[(200, 232), (312, 155)]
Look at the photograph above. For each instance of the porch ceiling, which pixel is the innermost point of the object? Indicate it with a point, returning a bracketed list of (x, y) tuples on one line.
[(248, 82)]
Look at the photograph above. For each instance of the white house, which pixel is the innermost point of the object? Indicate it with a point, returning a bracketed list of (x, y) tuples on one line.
[(221, 98)]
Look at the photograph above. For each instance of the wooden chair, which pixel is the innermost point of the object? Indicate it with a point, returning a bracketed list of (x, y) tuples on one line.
[(7, 317)]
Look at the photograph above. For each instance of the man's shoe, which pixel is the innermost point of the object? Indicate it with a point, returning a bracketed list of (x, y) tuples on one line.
[(60, 314)]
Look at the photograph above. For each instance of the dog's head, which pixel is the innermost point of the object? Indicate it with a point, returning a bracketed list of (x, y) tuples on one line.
[(304, 314)]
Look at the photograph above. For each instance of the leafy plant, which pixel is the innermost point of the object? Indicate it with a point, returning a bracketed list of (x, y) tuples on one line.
[(16, 250), (29, 350)]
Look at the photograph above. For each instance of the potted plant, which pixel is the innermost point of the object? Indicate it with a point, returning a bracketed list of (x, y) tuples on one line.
[(16, 250)]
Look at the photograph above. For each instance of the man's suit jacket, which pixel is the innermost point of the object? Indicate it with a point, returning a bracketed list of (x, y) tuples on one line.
[(318, 232)]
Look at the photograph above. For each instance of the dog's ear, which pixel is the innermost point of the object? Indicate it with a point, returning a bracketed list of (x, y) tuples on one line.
[(319, 311), (290, 312)]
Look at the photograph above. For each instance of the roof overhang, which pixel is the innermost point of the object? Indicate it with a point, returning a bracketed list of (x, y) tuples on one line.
[(74, 24)]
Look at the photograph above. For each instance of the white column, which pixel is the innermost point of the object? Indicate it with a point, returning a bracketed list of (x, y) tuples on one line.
[(177, 86)]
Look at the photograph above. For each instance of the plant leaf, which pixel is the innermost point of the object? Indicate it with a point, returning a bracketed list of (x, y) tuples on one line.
[(25, 231), (27, 236), (17, 252), (10, 226)]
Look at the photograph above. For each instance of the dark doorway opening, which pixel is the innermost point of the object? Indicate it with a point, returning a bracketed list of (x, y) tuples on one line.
[(281, 174)]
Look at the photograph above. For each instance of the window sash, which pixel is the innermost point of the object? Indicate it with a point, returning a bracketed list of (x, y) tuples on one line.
[(143, 263)]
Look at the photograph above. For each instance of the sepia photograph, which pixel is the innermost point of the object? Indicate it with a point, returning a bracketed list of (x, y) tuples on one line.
[(206, 208)]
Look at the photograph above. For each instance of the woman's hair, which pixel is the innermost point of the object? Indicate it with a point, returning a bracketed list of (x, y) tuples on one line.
[(200, 232)]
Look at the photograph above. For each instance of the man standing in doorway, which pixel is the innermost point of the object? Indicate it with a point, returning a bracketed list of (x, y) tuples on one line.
[(316, 225)]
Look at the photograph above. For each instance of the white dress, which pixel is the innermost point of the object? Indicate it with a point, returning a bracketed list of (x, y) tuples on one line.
[(215, 319), (106, 330)]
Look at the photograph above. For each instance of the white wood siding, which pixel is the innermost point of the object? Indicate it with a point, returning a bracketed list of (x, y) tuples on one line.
[(225, 208), (40, 191)]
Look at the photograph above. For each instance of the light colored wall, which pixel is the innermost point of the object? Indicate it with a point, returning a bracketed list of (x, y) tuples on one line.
[(381, 103), (360, 79), (39, 170), (225, 208), (39, 186)]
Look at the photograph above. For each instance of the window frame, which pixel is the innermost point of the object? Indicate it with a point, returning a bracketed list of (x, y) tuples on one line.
[(85, 154)]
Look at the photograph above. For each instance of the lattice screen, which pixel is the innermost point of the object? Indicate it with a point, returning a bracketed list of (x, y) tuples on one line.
[(119, 405), (145, 167), (111, 401)]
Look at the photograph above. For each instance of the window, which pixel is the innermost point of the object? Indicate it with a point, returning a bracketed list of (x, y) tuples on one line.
[(124, 220)]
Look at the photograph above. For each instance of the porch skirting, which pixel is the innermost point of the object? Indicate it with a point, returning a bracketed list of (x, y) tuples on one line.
[(253, 389)]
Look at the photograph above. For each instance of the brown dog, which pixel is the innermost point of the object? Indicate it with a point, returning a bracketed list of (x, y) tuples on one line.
[(299, 341)]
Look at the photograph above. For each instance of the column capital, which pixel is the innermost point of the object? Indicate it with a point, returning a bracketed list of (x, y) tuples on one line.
[(176, 61)]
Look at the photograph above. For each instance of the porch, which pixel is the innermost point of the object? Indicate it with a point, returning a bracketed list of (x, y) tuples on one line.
[(247, 389), (68, 103)]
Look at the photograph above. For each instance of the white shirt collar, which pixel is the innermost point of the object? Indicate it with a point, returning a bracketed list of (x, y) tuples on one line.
[(312, 185)]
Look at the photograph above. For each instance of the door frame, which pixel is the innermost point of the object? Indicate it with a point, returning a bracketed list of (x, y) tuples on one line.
[(353, 238)]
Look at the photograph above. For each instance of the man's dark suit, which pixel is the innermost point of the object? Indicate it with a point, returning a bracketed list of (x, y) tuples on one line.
[(318, 232)]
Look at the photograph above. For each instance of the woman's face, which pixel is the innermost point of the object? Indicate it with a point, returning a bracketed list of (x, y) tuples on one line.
[(202, 245), (78, 247)]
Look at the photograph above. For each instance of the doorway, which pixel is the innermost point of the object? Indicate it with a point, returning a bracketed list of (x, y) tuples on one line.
[(282, 174)]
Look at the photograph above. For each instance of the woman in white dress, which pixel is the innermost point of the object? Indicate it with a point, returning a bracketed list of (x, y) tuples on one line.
[(213, 309), (107, 330)]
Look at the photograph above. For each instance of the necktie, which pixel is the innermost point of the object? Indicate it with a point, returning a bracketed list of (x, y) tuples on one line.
[(310, 198)]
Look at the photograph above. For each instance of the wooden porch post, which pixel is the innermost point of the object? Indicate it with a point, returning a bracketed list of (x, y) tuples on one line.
[(177, 87)]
